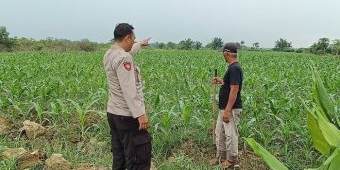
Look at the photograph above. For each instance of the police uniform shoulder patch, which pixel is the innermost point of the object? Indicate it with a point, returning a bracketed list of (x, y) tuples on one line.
[(127, 66)]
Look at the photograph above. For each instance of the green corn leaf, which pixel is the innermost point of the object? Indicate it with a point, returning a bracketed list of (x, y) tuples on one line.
[(80, 111), (166, 120), (186, 113), (317, 101), (322, 98), (157, 100), (335, 161), (329, 130), (319, 141), (77, 106), (90, 105), (332, 163), (271, 161)]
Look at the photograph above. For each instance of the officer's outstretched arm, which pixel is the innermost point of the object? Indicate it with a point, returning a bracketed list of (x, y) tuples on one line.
[(137, 46)]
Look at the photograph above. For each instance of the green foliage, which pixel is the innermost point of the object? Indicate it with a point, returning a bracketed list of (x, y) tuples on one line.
[(216, 44), (6, 43), (186, 113), (332, 163), (173, 80), (8, 164), (321, 47), (161, 45), (272, 162), (53, 44), (323, 125), (186, 44), (282, 45), (171, 45), (166, 120), (319, 140), (197, 45), (322, 99), (256, 45), (335, 47), (87, 45)]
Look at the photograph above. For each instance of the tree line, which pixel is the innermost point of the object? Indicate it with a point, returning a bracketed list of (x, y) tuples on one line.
[(8, 43), (321, 47)]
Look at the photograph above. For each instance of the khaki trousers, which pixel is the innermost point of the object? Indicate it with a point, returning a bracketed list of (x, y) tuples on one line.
[(227, 136)]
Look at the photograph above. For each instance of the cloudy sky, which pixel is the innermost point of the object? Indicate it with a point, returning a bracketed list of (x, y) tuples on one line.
[(301, 22)]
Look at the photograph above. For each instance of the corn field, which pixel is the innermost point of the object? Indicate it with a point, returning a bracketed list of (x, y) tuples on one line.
[(67, 93)]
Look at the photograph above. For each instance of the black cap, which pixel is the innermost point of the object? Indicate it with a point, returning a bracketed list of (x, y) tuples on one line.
[(230, 47)]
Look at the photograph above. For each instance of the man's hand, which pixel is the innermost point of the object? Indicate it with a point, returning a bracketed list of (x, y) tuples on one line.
[(143, 122), (145, 42), (217, 80), (226, 116)]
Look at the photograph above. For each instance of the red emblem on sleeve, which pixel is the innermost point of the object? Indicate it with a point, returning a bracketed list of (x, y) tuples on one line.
[(127, 66)]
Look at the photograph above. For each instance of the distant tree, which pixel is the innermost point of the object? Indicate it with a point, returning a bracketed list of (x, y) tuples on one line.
[(243, 45), (301, 50), (197, 45), (186, 44), (87, 45), (6, 43), (321, 47), (170, 45), (60, 45), (256, 45), (161, 45), (335, 47), (324, 43), (154, 45), (208, 46), (282, 45), (215, 44), (239, 46)]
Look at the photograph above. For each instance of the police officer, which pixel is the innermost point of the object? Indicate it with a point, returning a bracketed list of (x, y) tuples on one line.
[(230, 106), (131, 142)]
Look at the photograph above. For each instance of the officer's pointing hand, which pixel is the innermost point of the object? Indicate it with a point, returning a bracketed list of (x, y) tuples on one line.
[(145, 42), (143, 122)]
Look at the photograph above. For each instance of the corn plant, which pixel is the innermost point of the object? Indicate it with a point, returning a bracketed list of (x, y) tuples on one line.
[(166, 120), (82, 114), (186, 113), (39, 111), (173, 80), (323, 125)]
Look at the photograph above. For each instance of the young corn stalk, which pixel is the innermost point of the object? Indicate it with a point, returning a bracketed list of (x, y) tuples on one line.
[(186, 113), (38, 110), (166, 120), (82, 113)]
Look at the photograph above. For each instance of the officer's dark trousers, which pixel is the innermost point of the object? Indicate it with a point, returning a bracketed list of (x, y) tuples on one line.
[(131, 148)]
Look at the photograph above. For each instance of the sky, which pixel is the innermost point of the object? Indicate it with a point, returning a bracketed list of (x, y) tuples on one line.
[(301, 22)]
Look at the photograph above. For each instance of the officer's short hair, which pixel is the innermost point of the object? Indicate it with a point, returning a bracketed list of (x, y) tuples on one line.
[(122, 30)]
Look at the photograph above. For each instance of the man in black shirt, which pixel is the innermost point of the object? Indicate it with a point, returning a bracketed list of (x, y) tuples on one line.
[(230, 106)]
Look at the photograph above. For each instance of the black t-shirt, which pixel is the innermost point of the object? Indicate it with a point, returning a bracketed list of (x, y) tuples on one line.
[(233, 76)]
